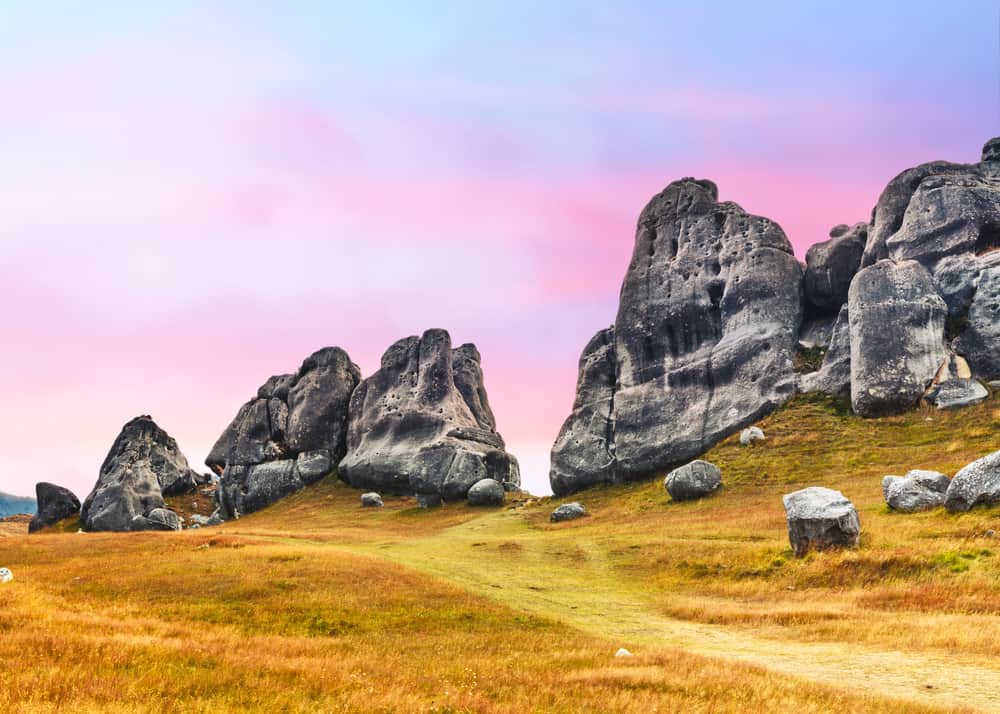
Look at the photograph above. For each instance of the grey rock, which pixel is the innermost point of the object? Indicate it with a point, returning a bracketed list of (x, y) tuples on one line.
[(314, 465), (55, 503), (246, 489), (980, 341), (702, 345), (199, 520), (371, 500), (318, 401), (834, 376), (422, 423), (144, 464), (956, 278), (215, 519), (830, 267), (916, 491), (897, 336), (817, 332), (486, 492), (429, 500), (568, 512), (977, 483), (956, 393), (820, 519), (158, 519), (751, 436), (693, 481)]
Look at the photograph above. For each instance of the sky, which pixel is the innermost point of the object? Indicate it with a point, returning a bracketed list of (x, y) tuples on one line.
[(193, 198)]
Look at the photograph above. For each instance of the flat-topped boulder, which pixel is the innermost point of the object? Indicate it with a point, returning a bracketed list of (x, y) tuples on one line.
[(422, 424), (144, 465), (702, 346), (820, 519), (55, 504)]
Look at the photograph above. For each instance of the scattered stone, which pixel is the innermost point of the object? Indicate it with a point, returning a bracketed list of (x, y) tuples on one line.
[(371, 500), (486, 492), (55, 503), (751, 435), (830, 266), (158, 519), (834, 376), (977, 483), (6, 576), (429, 500), (990, 533), (568, 512), (199, 520), (144, 465), (957, 393), (693, 481), (819, 519), (622, 652), (897, 337), (423, 424), (702, 346), (916, 491)]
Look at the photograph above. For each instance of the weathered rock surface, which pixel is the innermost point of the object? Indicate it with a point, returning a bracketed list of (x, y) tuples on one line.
[(819, 519), (568, 512), (916, 491), (702, 345), (751, 436), (55, 503), (429, 500), (693, 481), (144, 465), (897, 336), (371, 500), (977, 483), (834, 376), (830, 267), (486, 492), (957, 393), (291, 434), (980, 340), (158, 519), (422, 423)]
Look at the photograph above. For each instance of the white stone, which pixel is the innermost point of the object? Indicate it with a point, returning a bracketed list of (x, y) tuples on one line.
[(749, 436), (622, 652), (5, 575)]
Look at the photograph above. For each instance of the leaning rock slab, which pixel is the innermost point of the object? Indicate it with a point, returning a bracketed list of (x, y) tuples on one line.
[(693, 481), (55, 503), (144, 464), (422, 423), (897, 337), (834, 375), (916, 491), (486, 492), (568, 512), (978, 483), (819, 519), (702, 345)]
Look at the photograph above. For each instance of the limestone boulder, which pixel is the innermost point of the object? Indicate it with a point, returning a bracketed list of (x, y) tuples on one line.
[(819, 519), (55, 504)]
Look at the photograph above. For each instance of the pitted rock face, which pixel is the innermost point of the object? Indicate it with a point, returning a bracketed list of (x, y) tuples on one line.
[(293, 433), (422, 424), (702, 345), (144, 464), (55, 503), (897, 324)]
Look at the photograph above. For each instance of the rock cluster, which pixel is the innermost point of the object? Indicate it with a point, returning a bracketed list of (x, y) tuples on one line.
[(916, 491), (143, 466), (820, 519), (702, 345), (55, 503)]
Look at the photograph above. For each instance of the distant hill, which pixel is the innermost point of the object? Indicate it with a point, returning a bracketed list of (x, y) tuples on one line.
[(11, 505)]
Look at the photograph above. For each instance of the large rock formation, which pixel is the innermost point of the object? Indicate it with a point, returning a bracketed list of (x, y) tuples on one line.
[(291, 434), (897, 324), (143, 466), (830, 267), (422, 423), (702, 345), (55, 503)]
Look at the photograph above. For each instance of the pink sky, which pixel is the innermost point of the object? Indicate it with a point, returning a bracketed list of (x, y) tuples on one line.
[(191, 204)]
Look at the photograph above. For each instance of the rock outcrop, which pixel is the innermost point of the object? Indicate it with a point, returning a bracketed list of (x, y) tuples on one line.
[(422, 423), (978, 483), (916, 491), (55, 503), (702, 345), (834, 375), (897, 322), (290, 435), (143, 466), (819, 519), (693, 481), (830, 267)]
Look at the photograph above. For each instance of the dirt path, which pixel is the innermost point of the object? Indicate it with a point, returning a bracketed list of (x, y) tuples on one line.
[(568, 579)]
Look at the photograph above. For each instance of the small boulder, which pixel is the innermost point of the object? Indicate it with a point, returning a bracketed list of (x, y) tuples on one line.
[(568, 512), (956, 393), (622, 652), (371, 500), (54, 504), (5, 575), (693, 481), (819, 519), (158, 519), (749, 436), (916, 491), (977, 483), (429, 500), (486, 492)]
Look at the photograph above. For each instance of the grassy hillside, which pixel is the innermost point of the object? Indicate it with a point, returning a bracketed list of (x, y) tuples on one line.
[(317, 604)]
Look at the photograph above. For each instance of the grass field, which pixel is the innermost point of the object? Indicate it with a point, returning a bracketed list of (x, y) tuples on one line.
[(318, 605)]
